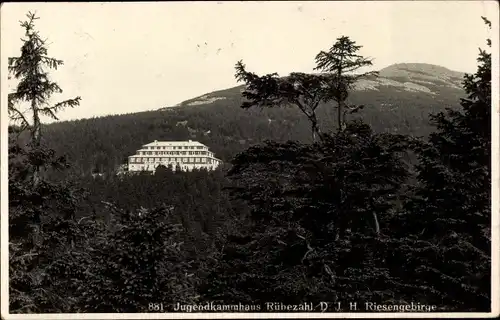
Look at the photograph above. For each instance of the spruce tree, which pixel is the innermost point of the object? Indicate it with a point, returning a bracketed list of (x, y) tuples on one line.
[(34, 86), (455, 166), (448, 225), (42, 228)]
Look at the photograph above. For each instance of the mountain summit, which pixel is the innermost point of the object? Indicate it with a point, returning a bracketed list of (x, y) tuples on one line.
[(421, 68), (418, 77), (424, 73)]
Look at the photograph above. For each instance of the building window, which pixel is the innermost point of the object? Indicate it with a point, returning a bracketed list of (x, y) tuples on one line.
[(184, 159), (203, 159)]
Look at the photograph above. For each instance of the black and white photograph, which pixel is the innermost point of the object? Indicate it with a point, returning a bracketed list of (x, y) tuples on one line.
[(249, 159)]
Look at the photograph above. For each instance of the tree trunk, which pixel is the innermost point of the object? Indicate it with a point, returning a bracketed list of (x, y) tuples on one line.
[(36, 140), (315, 131), (339, 115), (340, 102), (377, 226)]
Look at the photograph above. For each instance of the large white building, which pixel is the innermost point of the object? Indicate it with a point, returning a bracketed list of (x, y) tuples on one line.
[(186, 154)]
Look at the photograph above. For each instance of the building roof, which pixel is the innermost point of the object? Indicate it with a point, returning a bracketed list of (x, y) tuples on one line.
[(174, 143)]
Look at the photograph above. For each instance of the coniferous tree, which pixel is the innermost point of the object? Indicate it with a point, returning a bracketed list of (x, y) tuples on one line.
[(307, 91), (455, 167), (42, 229), (138, 265), (449, 218), (318, 214), (340, 62), (35, 86)]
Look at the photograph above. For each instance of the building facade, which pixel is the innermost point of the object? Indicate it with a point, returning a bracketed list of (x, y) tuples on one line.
[(187, 155)]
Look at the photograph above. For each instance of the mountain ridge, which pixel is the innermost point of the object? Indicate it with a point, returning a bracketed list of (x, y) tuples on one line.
[(408, 76)]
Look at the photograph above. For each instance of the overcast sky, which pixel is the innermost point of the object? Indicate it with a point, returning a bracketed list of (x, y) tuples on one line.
[(130, 57)]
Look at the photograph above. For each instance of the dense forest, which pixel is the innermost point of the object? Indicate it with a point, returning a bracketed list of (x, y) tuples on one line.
[(326, 196)]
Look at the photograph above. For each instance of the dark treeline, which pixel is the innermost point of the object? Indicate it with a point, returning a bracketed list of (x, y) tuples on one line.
[(347, 217)]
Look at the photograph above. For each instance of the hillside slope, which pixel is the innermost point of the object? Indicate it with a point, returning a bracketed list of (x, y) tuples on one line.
[(400, 100)]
